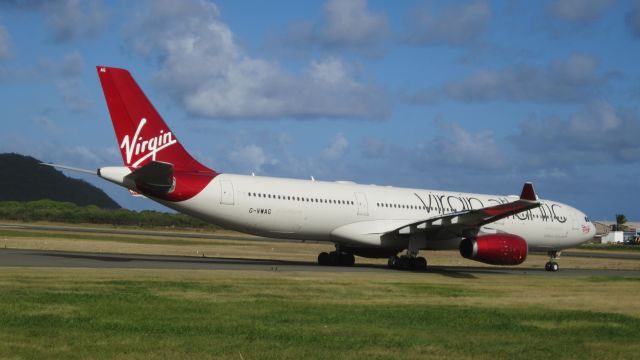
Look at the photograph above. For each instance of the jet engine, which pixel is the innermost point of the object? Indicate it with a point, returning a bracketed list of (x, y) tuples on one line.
[(495, 249)]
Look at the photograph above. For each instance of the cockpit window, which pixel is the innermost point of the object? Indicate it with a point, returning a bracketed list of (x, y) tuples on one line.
[(586, 219)]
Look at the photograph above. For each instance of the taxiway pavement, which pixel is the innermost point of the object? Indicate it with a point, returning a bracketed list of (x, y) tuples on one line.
[(61, 259)]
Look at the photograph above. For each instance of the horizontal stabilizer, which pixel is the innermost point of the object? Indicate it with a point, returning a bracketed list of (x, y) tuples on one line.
[(155, 178), (65, 167)]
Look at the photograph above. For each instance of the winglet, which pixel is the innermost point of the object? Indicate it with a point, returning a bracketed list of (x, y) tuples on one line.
[(528, 193)]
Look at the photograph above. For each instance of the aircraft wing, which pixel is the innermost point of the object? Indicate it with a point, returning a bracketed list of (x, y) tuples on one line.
[(468, 222)]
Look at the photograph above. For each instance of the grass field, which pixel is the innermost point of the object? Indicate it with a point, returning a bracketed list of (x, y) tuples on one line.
[(77, 313), (611, 247), (110, 313)]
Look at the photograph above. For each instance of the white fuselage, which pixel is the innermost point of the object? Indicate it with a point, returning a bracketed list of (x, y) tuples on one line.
[(356, 215)]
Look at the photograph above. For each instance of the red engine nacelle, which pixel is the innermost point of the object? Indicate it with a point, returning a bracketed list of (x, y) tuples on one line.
[(495, 249)]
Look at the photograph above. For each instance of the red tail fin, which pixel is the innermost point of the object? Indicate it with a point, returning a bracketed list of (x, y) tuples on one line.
[(142, 134)]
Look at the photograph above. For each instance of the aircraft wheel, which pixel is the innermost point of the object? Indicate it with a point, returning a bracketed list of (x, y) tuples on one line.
[(405, 263), (394, 262), (334, 258), (324, 259), (552, 266), (347, 259), (420, 263)]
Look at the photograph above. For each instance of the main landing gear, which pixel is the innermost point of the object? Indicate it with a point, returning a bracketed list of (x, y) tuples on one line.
[(336, 258), (407, 262), (552, 265)]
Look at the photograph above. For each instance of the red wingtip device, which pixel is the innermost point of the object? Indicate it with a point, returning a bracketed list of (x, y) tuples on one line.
[(528, 193)]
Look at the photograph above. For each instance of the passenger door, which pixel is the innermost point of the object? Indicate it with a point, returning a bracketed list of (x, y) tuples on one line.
[(226, 192), (361, 201)]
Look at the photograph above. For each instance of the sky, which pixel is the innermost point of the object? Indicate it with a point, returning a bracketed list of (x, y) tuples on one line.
[(470, 96)]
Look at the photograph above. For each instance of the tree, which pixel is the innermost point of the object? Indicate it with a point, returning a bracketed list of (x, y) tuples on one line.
[(620, 221)]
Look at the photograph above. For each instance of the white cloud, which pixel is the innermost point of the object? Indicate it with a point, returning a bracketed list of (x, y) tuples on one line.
[(70, 19), (279, 154), (330, 71), (66, 76), (345, 24), (579, 11), (74, 94), (578, 69), (202, 66), (632, 19), (571, 79), (451, 25), (373, 148), (72, 65), (350, 23), (5, 44), (336, 147), (50, 150), (456, 147), (67, 19), (251, 157), (599, 134)]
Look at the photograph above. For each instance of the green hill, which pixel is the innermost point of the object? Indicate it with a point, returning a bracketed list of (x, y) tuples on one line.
[(23, 178)]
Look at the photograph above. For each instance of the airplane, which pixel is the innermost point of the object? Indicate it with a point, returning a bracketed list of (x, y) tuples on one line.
[(360, 220)]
